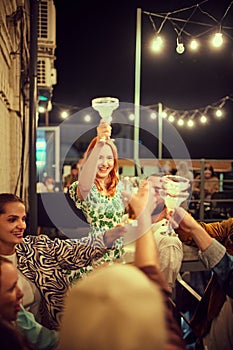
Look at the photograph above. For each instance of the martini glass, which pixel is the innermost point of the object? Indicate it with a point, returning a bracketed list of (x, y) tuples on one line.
[(174, 192), (105, 107)]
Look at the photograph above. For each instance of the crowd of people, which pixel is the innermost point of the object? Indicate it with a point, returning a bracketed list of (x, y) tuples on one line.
[(74, 293)]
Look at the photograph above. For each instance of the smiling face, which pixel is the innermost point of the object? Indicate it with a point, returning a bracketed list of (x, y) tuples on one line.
[(10, 294), (105, 162), (12, 226)]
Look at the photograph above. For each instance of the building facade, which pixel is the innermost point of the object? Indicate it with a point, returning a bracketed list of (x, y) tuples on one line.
[(14, 95), (15, 86)]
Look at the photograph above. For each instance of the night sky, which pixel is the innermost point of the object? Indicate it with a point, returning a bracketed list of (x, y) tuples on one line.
[(95, 56)]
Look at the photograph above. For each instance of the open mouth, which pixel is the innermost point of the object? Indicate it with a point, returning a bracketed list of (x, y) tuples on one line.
[(17, 308), (18, 234), (103, 169)]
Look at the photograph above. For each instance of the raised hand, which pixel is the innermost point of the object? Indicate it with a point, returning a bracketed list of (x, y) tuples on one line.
[(104, 130), (144, 201)]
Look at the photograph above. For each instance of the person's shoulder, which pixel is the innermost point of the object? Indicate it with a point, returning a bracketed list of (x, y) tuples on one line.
[(36, 240)]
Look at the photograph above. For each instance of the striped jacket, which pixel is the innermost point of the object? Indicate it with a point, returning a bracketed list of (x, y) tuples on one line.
[(52, 264)]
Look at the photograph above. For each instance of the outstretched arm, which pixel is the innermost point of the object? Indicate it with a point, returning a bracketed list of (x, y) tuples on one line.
[(90, 165), (189, 226), (213, 254)]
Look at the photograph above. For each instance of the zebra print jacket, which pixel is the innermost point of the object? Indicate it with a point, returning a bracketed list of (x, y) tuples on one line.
[(52, 264)]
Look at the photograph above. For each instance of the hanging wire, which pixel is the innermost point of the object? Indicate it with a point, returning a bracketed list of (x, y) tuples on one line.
[(153, 24), (182, 29), (208, 15), (168, 16), (194, 113)]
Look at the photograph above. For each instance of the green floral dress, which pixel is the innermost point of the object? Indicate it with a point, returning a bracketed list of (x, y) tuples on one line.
[(102, 213)]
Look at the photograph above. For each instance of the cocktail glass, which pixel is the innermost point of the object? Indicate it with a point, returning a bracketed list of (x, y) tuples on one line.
[(105, 107), (174, 192)]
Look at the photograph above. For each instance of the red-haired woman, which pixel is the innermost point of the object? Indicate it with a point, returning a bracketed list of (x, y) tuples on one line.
[(98, 191)]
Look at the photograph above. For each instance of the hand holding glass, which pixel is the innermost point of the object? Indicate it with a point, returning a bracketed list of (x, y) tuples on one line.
[(173, 192), (105, 106)]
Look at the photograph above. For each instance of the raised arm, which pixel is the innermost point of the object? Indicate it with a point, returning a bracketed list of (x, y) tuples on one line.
[(213, 254), (143, 204), (90, 164), (146, 258), (190, 227)]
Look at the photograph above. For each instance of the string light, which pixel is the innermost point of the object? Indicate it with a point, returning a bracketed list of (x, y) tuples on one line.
[(171, 118), (180, 46), (180, 122), (64, 114), (164, 114), (157, 44), (153, 116), (194, 45), (203, 119), (217, 40), (87, 118), (131, 117), (173, 18), (218, 113), (190, 123), (188, 117)]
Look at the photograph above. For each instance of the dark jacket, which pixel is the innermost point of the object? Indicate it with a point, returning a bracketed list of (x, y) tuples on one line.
[(214, 296)]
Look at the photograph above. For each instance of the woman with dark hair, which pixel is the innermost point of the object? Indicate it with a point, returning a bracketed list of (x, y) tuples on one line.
[(18, 328), (45, 267), (211, 182)]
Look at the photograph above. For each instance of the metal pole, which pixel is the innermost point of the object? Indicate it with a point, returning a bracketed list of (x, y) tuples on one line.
[(137, 91), (32, 196), (202, 192), (46, 118), (160, 131)]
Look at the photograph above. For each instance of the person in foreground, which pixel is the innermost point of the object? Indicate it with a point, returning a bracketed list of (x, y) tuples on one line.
[(45, 266), (213, 320), (18, 328), (124, 306)]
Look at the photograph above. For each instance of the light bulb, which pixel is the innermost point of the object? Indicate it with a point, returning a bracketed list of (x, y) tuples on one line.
[(64, 114), (87, 118), (157, 44), (171, 118), (190, 123), (164, 114), (218, 113), (217, 40), (180, 46), (194, 45), (203, 119), (180, 122), (153, 115)]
